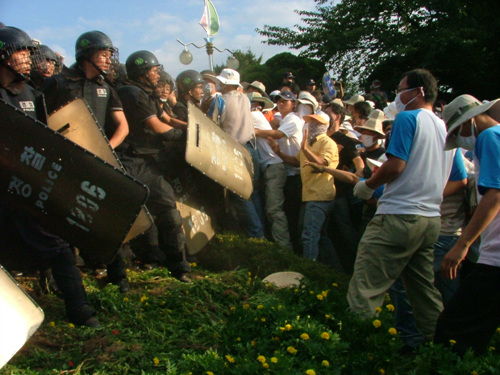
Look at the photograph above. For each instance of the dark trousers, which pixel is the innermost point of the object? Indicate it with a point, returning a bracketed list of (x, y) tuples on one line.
[(161, 203), (28, 243), (292, 208), (473, 314)]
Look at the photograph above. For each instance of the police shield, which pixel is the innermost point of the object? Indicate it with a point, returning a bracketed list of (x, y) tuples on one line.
[(69, 190), (77, 123), (218, 155), (21, 317)]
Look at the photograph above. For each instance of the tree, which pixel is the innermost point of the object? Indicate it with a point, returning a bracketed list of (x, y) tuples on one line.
[(457, 40)]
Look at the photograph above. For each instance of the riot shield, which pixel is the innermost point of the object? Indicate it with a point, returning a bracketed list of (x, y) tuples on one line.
[(69, 190), (77, 123), (21, 317), (218, 155)]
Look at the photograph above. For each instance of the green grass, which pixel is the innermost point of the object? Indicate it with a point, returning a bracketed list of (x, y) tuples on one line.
[(228, 322)]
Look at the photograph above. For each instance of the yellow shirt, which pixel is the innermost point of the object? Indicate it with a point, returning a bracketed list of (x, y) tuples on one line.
[(319, 186)]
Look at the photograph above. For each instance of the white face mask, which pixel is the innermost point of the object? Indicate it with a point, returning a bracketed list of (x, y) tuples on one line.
[(400, 107), (467, 143), (367, 140)]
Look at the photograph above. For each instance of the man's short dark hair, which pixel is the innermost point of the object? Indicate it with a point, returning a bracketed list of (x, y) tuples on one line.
[(337, 109), (423, 78), (363, 108)]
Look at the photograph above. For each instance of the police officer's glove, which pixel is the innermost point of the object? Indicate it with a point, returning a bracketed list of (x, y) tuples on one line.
[(362, 191)]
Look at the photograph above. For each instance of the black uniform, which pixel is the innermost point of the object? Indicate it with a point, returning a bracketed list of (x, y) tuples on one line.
[(28, 240), (140, 156), (102, 99), (62, 88)]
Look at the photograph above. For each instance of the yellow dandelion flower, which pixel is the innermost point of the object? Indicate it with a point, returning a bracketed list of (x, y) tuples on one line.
[(310, 372), (291, 350), (381, 371), (335, 285), (249, 274), (296, 290), (327, 316), (265, 365), (253, 342), (498, 330), (378, 310), (262, 320), (143, 298), (393, 331), (52, 324), (288, 327), (304, 336), (230, 359), (320, 297), (377, 323), (325, 363), (210, 373), (452, 342), (274, 360), (390, 307), (156, 361), (232, 308), (194, 265), (238, 339), (492, 349), (125, 299), (280, 307), (311, 292), (246, 306), (282, 328), (260, 307), (71, 325), (261, 359), (324, 293), (474, 373), (325, 336)]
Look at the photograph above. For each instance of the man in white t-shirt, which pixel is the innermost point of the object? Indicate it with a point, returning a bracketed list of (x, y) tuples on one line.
[(399, 240), (273, 173), (289, 138), (472, 316)]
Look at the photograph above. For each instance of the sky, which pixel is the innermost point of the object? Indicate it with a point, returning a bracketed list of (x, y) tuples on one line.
[(154, 25)]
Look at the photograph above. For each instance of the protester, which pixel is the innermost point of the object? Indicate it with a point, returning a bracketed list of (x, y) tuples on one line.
[(399, 239), (472, 316)]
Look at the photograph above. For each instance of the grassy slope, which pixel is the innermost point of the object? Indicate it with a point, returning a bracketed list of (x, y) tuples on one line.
[(228, 322)]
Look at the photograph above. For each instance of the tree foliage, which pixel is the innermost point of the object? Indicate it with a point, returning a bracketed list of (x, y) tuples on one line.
[(457, 40)]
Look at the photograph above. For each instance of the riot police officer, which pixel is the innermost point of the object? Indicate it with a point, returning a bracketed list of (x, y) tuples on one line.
[(140, 155), (45, 67), (21, 236), (189, 89), (94, 54)]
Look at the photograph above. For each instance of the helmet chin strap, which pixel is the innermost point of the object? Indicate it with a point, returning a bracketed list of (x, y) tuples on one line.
[(20, 77)]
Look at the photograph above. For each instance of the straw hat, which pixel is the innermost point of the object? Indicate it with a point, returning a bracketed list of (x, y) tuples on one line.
[(320, 117), (259, 86), (374, 122), (462, 109), (256, 97), (305, 97), (354, 99)]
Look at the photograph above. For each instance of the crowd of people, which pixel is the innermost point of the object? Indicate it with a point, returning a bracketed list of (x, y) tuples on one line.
[(371, 188)]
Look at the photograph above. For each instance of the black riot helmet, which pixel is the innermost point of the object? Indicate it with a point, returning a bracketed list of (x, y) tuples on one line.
[(188, 80), (13, 40), (92, 41), (139, 63), (47, 53)]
